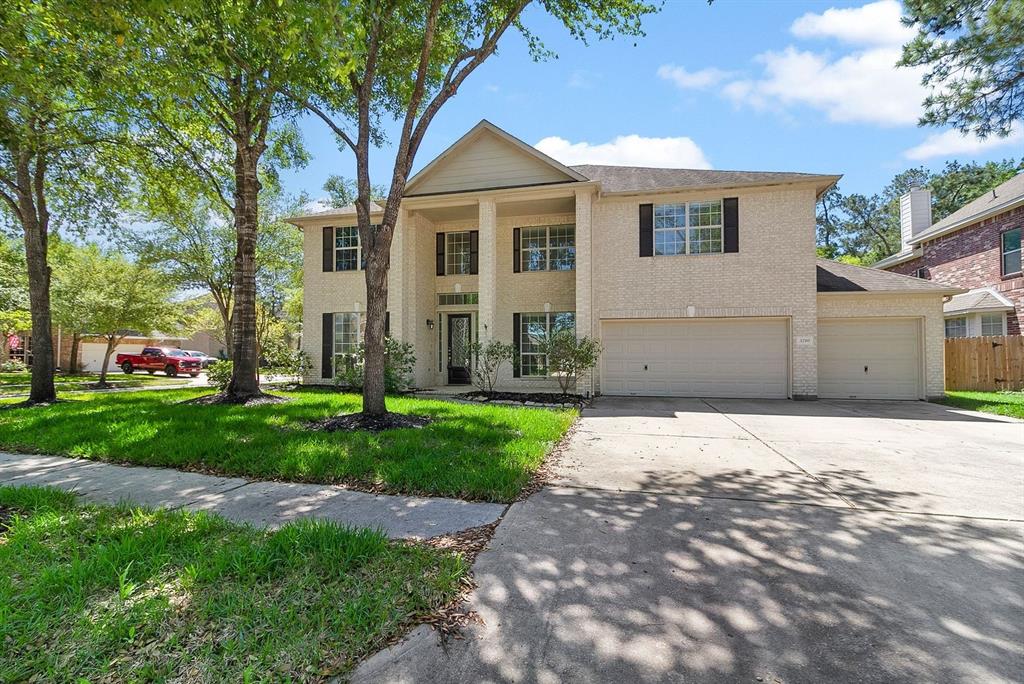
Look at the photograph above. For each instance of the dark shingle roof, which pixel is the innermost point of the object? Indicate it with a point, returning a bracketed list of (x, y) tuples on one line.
[(643, 178), (993, 201), (836, 277)]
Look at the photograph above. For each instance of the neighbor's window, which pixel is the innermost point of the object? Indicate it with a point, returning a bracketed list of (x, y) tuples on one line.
[(956, 327), (347, 333), (548, 248), (535, 328), (1011, 251), (688, 228), (992, 325), (346, 248), (456, 253)]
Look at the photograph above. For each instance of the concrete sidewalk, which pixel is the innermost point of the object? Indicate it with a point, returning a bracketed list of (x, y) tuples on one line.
[(266, 504)]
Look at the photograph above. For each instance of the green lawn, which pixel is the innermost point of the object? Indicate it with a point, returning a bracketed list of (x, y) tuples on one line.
[(470, 451), (18, 383), (1001, 403), (102, 593)]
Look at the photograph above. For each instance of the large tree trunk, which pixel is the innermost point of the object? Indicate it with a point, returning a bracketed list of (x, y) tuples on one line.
[(76, 340), (35, 222), (377, 263), (244, 353)]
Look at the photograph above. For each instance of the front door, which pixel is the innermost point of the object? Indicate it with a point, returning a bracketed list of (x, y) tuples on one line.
[(459, 339)]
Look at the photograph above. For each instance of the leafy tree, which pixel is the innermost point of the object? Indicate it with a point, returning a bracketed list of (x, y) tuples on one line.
[(14, 313), (209, 89), (127, 297), (343, 192), (974, 53), (404, 60), (957, 184), (569, 356), (488, 358), (75, 282), (57, 165)]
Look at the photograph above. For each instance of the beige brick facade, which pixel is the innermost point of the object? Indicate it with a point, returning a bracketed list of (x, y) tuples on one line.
[(879, 305), (772, 275)]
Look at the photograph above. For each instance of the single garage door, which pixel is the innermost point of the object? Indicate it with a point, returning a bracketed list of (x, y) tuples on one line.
[(729, 357), (92, 355), (869, 358)]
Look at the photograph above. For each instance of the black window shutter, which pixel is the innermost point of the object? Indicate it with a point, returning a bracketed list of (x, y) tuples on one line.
[(328, 235), (515, 343), (387, 324), (474, 252), (731, 224), (327, 347), (646, 230), (515, 251), (440, 254)]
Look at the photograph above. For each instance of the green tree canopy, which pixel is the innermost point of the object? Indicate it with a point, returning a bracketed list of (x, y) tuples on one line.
[(973, 51)]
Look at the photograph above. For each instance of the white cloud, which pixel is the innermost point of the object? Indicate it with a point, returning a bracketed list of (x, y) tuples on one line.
[(628, 150), (952, 143), (861, 87), (703, 78), (877, 23), (582, 79)]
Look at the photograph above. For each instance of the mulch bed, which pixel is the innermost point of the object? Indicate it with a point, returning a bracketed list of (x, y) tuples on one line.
[(361, 421), (222, 399), (527, 397)]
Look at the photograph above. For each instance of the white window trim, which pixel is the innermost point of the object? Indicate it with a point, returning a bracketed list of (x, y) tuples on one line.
[(334, 332), (524, 258), (358, 248), (686, 228), (945, 327), (1002, 324), (448, 253), (548, 318), (1003, 251)]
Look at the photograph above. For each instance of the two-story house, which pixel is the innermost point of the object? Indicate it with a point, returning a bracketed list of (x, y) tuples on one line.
[(696, 282), (976, 248)]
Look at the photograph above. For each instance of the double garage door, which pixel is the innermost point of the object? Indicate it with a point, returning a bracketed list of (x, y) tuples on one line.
[(877, 358), (737, 357)]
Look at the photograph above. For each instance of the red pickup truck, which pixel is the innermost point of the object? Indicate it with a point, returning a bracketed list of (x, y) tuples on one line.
[(152, 359)]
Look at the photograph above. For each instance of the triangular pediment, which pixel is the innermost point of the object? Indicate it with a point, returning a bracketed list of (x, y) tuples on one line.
[(485, 158)]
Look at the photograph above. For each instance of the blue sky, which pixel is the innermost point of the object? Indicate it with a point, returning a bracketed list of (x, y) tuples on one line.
[(741, 84)]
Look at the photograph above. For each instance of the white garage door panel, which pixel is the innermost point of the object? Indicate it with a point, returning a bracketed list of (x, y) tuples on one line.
[(889, 350), (696, 358), (92, 355)]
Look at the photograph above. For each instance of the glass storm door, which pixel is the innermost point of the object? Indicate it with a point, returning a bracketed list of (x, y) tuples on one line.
[(459, 339)]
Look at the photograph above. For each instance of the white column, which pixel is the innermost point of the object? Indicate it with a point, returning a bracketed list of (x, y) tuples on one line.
[(585, 323), (487, 278)]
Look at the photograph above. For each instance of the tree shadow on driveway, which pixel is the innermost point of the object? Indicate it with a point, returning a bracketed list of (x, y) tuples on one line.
[(593, 585)]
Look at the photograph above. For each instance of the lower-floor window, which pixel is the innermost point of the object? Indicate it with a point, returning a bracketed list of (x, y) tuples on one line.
[(992, 325), (956, 327), (535, 328), (348, 331)]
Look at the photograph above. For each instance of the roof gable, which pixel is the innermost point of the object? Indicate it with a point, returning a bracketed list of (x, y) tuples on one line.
[(487, 157)]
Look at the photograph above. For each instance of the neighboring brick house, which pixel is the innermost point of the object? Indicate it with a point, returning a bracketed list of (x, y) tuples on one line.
[(976, 247), (696, 282)]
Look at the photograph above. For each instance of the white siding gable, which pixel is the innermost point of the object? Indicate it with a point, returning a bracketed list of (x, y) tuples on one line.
[(484, 162)]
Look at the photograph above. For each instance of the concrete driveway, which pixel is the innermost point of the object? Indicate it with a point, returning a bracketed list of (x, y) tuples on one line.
[(731, 540)]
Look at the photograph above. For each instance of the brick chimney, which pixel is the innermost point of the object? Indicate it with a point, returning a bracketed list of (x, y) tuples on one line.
[(915, 215)]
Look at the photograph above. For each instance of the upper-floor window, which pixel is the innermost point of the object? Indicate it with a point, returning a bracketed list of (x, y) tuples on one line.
[(457, 253), (992, 325), (688, 228), (921, 273), (1011, 251), (548, 248), (346, 248), (956, 327)]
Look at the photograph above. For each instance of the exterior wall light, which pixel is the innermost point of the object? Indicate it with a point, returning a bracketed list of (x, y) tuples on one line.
[(430, 324)]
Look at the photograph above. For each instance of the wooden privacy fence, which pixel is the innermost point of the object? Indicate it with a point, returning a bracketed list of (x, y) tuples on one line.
[(985, 364)]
